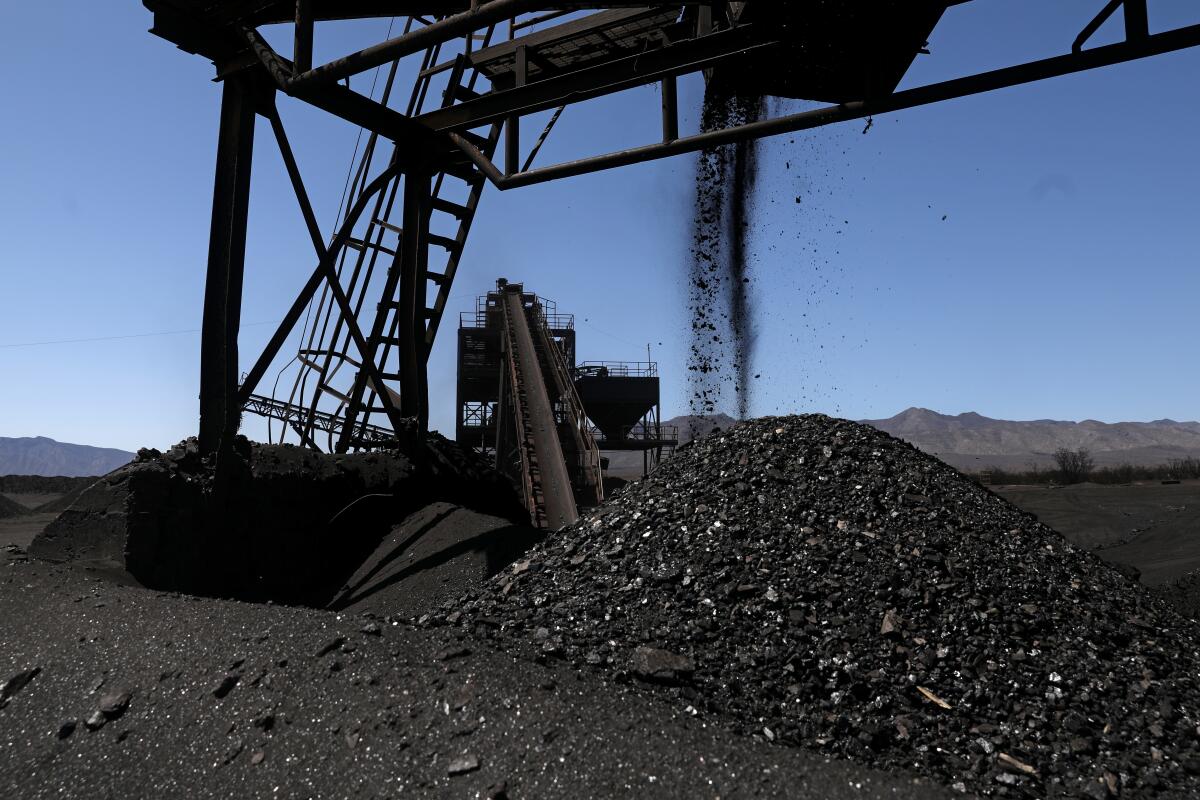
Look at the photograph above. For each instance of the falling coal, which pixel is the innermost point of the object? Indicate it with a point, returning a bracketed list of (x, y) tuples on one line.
[(722, 347)]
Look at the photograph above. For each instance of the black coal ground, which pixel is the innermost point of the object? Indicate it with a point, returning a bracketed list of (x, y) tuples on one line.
[(286, 524), (1183, 594), (792, 581), (11, 508), (118, 691), (815, 582)]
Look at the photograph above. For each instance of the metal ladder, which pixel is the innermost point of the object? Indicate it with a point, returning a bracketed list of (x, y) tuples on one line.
[(328, 346)]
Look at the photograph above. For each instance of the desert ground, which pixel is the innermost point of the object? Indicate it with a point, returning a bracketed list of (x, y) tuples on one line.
[(1148, 525)]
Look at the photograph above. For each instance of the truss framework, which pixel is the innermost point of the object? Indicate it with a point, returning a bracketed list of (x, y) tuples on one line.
[(376, 296)]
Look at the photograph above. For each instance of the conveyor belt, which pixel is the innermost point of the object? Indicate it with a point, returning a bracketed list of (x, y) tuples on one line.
[(549, 494), (579, 447)]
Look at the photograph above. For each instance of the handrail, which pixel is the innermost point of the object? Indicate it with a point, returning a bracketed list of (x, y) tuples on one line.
[(619, 369), (638, 433), (590, 457)]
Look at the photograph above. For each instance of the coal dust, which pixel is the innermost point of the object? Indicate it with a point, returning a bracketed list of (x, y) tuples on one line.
[(721, 353)]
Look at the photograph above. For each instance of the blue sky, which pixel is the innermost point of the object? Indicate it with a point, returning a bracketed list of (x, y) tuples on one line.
[(1061, 282)]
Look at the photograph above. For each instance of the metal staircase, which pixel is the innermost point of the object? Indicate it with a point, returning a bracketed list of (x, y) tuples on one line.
[(330, 380)]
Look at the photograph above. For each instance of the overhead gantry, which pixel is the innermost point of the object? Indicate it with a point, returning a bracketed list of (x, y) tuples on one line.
[(373, 303)]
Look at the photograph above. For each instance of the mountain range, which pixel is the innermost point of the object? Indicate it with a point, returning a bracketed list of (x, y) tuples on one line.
[(967, 441), (38, 455), (973, 441)]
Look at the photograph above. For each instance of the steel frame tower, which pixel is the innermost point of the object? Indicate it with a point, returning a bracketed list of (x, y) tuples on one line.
[(378, 295)]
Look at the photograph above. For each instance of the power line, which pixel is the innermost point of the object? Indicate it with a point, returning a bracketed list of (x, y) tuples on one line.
[(608, 334), (125, 336)]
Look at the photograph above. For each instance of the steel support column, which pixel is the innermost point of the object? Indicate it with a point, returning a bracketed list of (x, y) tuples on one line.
[(302, 52), (512, 127), (1137, 23), (414, 258), (670, 109), (219, 407)]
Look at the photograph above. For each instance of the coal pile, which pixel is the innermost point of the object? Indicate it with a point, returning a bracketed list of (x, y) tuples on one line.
[(284, 523), (1183, 594), (11, 508), (43, 484), (816, 582), (43, 494), (115, 691)]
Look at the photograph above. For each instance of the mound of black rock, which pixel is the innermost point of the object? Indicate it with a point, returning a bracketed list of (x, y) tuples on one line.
[(11, 508), (1183, 594), (264, 522), (819, 583)]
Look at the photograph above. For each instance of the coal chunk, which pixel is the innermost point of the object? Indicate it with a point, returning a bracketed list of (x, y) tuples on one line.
[(16, 682), (652, 664), (462, 765), (114, 703)]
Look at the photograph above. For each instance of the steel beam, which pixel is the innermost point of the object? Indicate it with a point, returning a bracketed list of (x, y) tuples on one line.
[(373, 376), (512, 126), (670, 109), (590, 82), (1157, 44), (302, 300), (342, 102), (293, 171), (326, 267), (266, 13), (449, 28), (1137, 22), (220, 411), (414, 264), (302, 54)]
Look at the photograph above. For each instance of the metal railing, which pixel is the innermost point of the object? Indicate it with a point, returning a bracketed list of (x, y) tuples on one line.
[(549, 314), (667, 434), (617, 369), (571, 408)]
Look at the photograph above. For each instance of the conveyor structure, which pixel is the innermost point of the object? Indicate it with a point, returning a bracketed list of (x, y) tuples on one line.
[(543, 420)]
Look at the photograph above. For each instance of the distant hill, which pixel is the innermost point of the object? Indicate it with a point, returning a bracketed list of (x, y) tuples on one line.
[(41, 456), (973, 441)]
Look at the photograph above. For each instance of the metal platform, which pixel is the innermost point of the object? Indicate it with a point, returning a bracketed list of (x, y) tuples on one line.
[(579, 43), (833, 51)]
